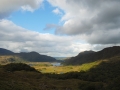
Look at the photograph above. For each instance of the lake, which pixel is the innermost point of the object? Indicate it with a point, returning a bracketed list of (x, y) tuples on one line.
[(56, 64)]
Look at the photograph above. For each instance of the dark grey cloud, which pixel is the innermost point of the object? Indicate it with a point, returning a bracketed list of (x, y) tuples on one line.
[(98, 21), (50, 26), (4, 15), (74, 27), (104, 37)]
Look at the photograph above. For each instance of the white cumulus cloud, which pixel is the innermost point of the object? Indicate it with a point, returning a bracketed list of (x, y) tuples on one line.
[(8, 6), (57, 11), (19, 39)]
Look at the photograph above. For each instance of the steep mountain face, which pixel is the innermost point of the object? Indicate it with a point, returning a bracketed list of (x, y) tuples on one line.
[(35, 57), (29, 56), (5, 51), (89, 56)]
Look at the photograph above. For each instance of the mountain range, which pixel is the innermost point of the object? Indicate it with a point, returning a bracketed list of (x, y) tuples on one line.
[(83, 57), (9, 56), (90, 56)]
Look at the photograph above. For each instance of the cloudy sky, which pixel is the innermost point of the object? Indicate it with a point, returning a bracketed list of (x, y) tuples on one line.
[(59, 27)]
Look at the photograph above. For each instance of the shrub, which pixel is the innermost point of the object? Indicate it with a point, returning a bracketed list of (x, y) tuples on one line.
[(18, 67)]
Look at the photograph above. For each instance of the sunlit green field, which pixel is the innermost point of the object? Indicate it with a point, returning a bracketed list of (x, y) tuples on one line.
[(49, 68)]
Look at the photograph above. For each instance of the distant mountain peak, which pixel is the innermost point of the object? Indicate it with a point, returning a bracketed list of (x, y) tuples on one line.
[(5, 51), (33, 52), (86, 52)]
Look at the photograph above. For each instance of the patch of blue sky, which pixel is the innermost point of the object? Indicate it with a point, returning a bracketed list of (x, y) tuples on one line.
[(36, 20)]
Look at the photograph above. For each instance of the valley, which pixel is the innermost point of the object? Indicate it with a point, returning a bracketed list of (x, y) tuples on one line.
[(46, 67), (101, 71)]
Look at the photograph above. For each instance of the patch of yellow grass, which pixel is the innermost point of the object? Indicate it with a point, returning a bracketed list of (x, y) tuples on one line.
[(48, 68)]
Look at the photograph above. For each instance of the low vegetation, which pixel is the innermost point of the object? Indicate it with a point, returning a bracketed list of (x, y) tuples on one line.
[(6, 59), (102, 75), (12, 67)]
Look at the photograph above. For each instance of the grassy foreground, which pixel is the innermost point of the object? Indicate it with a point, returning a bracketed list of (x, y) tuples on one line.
[(99, 75)]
